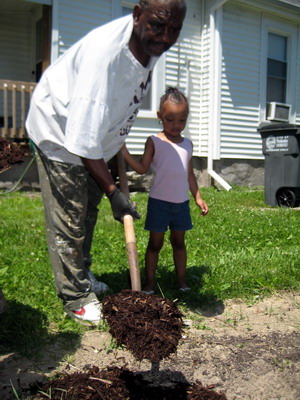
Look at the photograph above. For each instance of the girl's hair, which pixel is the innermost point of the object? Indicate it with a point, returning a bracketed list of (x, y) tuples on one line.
[(175, 95)]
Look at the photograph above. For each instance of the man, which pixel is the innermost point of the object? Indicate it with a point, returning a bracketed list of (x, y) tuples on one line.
[(80, 114)]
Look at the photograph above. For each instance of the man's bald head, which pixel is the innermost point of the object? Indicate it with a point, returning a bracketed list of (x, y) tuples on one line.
[(146, 4)]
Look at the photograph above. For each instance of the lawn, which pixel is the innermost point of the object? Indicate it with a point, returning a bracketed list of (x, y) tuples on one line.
[(241, 249)]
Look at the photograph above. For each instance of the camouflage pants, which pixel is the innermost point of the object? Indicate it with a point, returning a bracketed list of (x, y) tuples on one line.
[(71, 197)]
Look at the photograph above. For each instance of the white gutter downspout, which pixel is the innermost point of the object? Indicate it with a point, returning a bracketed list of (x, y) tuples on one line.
[(215, 85), (55, 31)]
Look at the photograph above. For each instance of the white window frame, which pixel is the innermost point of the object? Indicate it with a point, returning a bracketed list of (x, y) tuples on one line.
[(158, 89), (290, 32), (158, 77)]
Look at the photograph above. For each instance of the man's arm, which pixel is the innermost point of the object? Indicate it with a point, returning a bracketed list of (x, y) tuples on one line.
[(119, 203), (100, 172)]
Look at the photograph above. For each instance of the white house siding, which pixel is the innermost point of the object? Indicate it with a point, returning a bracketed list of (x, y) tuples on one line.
[(76, 18), (240, 84), (298, 81), (183, 69), (205, 88), (15, 44), (188, 65), (241, 78)]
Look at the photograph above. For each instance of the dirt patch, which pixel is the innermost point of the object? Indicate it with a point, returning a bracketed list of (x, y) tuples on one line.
[(246, 352)]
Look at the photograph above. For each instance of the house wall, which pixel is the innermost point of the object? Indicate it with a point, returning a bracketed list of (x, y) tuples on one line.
[(183, 69), (298, 79), (241, 87), (240, 83), (242, 30), (188, 65), (205, 87), (76, 18), (228, 133), (15, 44)]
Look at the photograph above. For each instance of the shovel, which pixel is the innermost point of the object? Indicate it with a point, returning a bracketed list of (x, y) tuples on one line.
[(130, 240), (131, 247)]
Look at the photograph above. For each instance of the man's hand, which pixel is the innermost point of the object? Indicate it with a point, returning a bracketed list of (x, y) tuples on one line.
[(120, 206)]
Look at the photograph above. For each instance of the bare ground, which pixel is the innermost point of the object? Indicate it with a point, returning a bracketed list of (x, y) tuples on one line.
[(247, 352)]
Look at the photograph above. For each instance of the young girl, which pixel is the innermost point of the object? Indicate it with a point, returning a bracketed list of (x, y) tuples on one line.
[(170, 157)]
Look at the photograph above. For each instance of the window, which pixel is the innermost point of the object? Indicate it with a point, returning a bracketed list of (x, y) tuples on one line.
[(151, 100), (278, 74), (277, 68)]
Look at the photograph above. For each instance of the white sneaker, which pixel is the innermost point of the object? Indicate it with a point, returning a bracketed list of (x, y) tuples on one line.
[(97, 286), (90, 314)]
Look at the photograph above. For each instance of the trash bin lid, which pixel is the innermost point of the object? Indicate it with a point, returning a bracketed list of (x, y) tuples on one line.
[(280, 128)]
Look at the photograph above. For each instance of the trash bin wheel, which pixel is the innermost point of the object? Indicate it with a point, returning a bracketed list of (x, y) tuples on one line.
[(286, 198)]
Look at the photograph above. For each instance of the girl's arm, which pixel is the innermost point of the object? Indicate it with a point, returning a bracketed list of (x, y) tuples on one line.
[(140, 166), (195, 191)]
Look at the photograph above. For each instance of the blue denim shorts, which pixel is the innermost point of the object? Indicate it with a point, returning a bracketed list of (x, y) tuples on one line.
[(162, 215)]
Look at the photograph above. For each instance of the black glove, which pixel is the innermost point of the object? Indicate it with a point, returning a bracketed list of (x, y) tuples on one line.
[(120, 206)]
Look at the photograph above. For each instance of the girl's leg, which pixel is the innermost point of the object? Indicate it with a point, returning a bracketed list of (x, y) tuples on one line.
[(156, 240), (179, 256)]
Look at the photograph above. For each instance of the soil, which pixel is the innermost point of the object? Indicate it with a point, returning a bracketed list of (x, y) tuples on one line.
[(230, 351)]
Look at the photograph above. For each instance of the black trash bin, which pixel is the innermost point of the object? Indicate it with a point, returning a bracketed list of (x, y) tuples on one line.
[(281, 148)]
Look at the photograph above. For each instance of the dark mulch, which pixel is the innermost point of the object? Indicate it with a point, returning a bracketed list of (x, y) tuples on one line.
[(200, 392), (10, 154), (149, 326), (117, 383)]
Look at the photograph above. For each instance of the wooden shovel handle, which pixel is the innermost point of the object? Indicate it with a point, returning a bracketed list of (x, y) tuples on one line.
[(132, 253), (131, 247)]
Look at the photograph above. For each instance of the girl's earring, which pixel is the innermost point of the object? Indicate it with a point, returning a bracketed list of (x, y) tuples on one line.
[(160, 121)]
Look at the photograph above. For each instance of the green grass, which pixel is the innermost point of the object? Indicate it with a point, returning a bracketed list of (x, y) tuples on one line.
[(241, 249)]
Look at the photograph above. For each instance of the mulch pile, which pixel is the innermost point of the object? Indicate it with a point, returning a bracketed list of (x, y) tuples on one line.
[(10, 154), (149, 326), (117, 383)]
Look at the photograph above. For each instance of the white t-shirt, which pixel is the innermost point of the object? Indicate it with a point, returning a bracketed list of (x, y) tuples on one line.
[(88, 99)]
